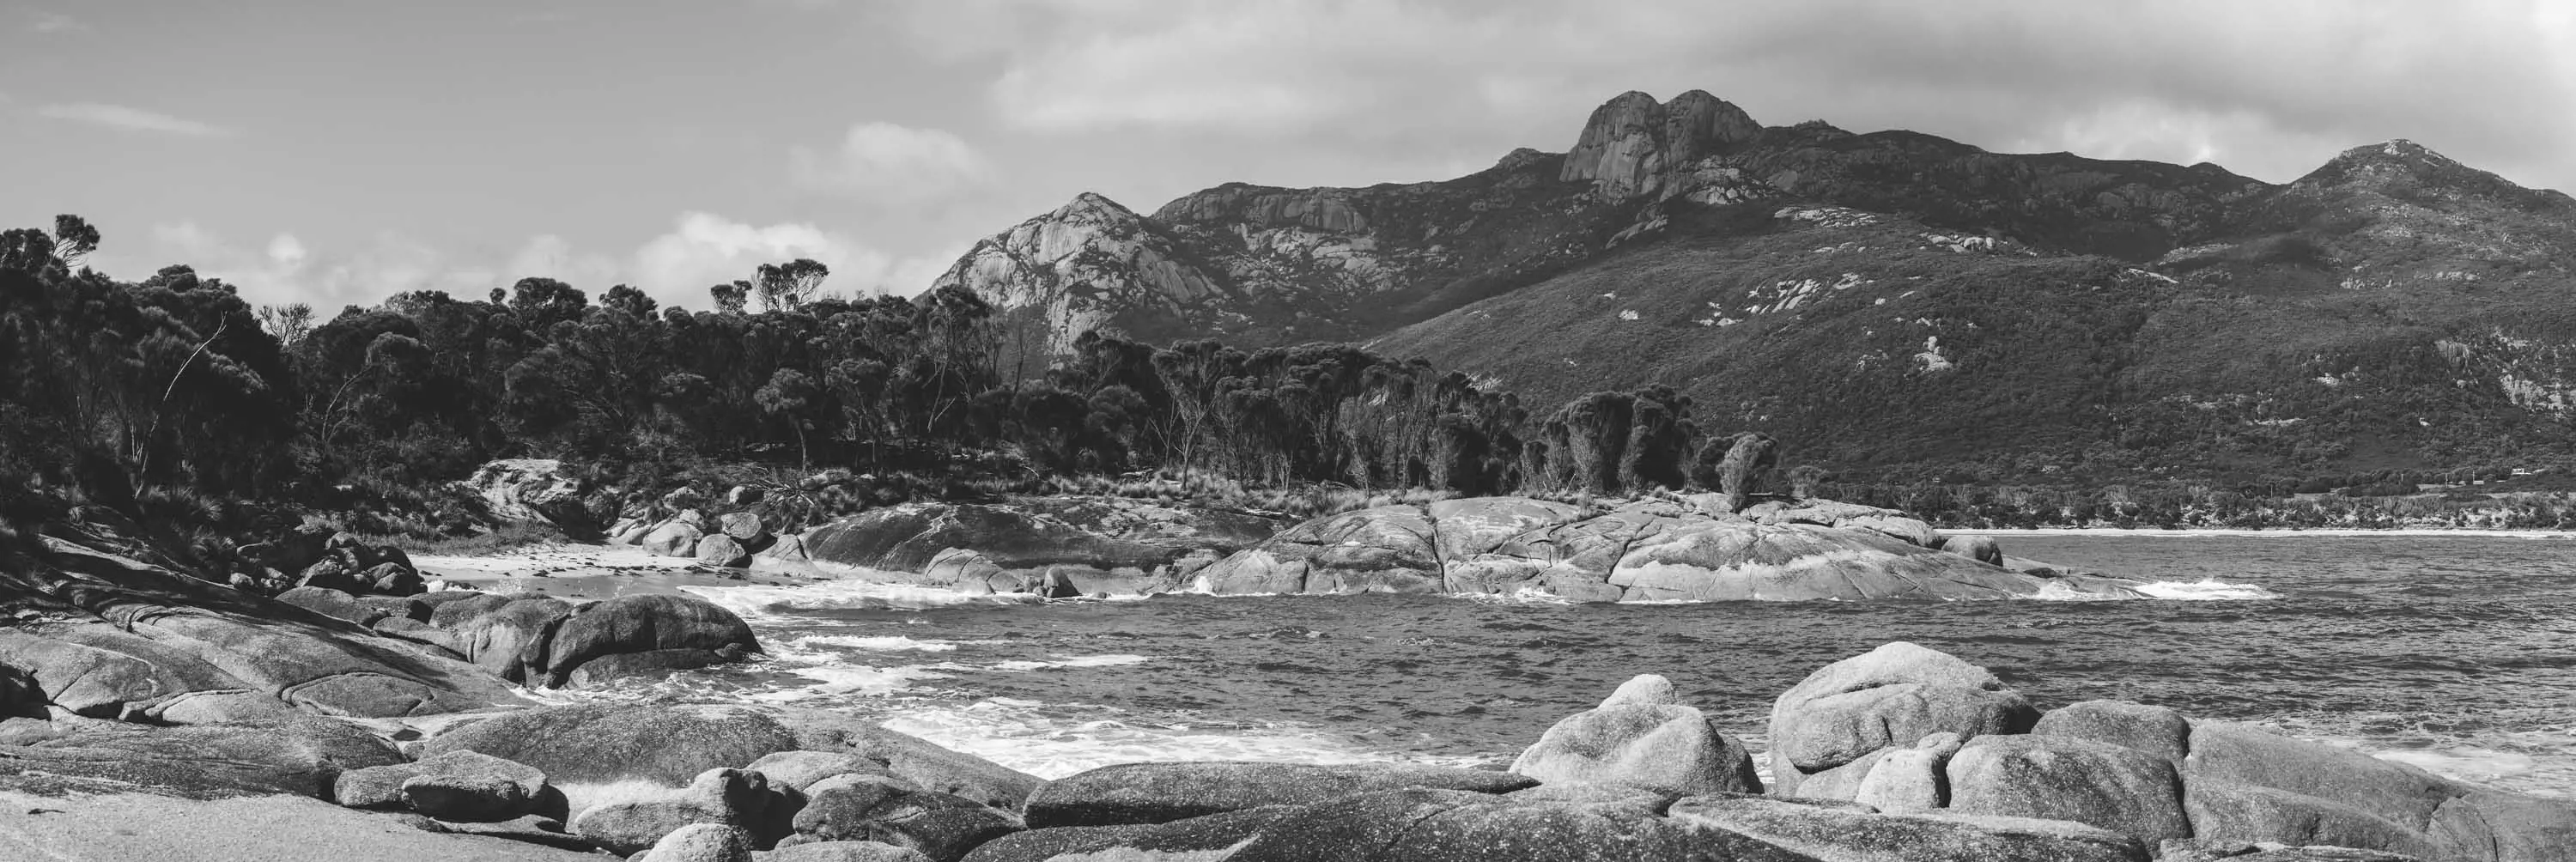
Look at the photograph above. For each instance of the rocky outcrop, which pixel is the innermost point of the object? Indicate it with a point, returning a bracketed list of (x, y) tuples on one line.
[(1634, 146), (1091, 545), (1090, 264), (2139, 771), (534, 489), (108, 636), (1649, 550)]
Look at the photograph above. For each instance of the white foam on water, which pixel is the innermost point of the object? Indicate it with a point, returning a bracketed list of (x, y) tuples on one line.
[(885, 643), (1056, 741), (1070, 661), (757, 601), (2205, 590), (850, 679)]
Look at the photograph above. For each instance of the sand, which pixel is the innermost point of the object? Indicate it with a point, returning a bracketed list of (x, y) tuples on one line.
[(570, 571), (143, 828)]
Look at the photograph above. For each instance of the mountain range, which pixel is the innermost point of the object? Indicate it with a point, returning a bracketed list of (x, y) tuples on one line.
[(1891, 302)]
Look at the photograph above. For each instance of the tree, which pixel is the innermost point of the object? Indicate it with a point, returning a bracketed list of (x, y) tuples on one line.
[(544, 302), (788, 286), (730, 297), (74, 239), (790, 394), (626, 298), (290, 323)]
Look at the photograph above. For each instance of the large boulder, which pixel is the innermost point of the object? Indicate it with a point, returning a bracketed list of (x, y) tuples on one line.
[(1164, 792), (464, 785), (897, 812), (744, 527), (719, 797), (2155, 730), (121, 637), (509, 635), (702, 842), (2061, 778), (642, 624), (846, 851), (722, 551), (1642, 736), (533, 489), (910, 758), (1890, 696), (334, 604), (798, 770), (605, 743), (677, 537)]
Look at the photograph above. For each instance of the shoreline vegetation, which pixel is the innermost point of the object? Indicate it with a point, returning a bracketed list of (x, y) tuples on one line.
[(175, 403)]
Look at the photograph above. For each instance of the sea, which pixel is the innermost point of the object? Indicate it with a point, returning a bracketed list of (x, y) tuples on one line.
[(2456, 653)]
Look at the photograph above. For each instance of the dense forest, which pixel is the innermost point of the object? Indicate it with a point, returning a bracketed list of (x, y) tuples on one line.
[(120, 392), (175, 396)]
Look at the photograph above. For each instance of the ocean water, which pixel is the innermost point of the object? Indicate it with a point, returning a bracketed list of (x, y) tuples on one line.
[(2455, 653)]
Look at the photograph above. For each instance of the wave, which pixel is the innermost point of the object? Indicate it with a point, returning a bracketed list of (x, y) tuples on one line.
[(2205, 590), (756, 601), (1054, 741)]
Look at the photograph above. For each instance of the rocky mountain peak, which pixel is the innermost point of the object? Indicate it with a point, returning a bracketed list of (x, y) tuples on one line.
[(1635, 146), (2406, 168)]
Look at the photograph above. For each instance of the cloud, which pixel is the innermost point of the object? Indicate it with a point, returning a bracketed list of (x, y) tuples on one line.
[(893, 163), (705, 249), (285, 270), (2275, 86), (42, 21), (132, 119)]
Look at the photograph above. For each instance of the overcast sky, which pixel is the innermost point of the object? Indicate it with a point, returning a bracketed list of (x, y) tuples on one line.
[(336, 152)]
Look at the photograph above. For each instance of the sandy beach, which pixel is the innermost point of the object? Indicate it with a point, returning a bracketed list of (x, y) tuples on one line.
[(571, 571)]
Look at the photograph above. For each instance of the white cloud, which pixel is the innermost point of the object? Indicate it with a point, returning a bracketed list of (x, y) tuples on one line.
[(706, 249), (2271, 88), (892, 163), (285, 270), (132, 119), (43, 21)]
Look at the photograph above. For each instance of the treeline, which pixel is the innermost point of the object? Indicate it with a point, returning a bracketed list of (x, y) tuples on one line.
[(116, 389), (2179, 505)]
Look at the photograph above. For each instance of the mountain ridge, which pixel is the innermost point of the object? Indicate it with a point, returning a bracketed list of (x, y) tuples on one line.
[(1680, 243)]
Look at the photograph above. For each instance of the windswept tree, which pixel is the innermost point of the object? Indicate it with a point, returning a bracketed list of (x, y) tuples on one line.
[(788, 286)]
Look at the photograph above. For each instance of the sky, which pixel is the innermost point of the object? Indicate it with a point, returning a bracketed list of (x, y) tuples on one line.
[(337, 153)]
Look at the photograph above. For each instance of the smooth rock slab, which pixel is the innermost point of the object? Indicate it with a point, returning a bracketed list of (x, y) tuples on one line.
[(601, 743), (845, 851), (1834, 834), (1178, 841), (1164, 792)]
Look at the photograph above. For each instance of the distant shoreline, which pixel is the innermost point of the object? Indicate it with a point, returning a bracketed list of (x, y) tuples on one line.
[(2266, 532)]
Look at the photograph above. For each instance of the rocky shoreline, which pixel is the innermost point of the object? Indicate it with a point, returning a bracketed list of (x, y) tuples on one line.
[(125, 678)]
